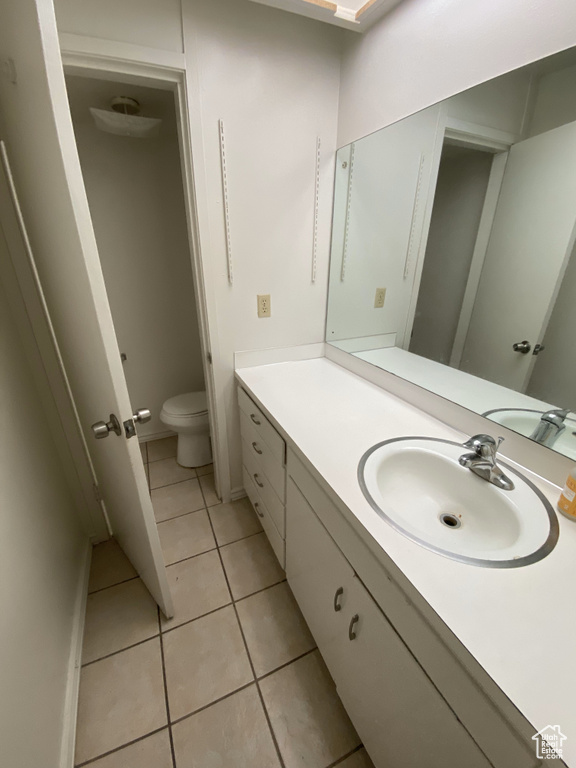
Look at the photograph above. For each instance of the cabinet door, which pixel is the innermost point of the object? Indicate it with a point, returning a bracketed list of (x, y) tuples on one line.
[(317, 573), (400, 716)]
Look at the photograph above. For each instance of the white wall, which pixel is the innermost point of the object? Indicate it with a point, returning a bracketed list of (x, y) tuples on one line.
[(273, 77), (134, 189), (42, 551), (458, 203), (555, 102), (426, 50)]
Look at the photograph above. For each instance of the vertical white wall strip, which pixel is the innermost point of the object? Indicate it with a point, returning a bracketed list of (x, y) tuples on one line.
[(348, 208), (225, 200), (408, 262), (316, 203), (44, 305)]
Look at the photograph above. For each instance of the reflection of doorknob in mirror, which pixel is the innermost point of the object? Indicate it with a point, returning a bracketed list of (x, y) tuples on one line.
[(538, 348), (102, 429), (142, 415), (522, 346)]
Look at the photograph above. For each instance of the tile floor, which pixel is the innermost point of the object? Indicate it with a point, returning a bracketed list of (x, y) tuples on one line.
[(234, 679)]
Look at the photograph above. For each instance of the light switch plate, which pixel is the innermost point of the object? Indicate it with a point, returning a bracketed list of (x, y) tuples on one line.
[(264, 305), (379, 298)]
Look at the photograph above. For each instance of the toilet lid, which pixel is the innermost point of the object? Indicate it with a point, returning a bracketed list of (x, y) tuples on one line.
[(187, 405)]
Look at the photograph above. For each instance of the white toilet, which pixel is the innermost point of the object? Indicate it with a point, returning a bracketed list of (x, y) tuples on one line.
[(187, 415)]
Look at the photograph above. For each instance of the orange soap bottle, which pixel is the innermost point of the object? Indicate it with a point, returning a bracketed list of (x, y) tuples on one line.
[(567, 500)]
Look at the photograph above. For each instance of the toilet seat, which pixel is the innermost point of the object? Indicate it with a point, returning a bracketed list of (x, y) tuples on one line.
[(188, 404)]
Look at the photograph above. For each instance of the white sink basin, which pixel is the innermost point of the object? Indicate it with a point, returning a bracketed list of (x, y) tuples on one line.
[(417, 485), (525, 421)]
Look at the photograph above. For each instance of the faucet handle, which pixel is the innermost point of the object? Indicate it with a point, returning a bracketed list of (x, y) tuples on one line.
[(484, 445)]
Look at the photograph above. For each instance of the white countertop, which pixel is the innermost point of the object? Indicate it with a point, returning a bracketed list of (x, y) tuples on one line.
[(518, 623)]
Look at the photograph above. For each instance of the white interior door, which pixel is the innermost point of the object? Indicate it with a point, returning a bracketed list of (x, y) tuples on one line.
[(531, 241), (37, 130)]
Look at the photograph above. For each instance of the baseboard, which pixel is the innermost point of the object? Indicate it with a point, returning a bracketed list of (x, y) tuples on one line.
[(237, 493), (155, 436), (74, 665)]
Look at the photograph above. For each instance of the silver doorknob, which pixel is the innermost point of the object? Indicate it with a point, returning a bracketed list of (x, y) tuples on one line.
[(522, 346), (102, 429), (142, 415)]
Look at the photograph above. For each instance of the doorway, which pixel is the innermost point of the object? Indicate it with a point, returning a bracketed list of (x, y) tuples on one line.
[(459, 198), (134, 184)]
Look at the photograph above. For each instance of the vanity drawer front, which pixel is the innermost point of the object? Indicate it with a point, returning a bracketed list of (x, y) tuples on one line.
[(263, 427), (276, 541), (266, 492), (263, 454)]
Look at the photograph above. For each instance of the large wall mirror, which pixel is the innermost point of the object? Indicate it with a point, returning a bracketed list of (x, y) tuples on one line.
[(453, 250)]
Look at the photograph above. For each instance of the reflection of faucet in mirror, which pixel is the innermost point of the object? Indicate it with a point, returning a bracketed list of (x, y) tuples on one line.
[(482, 461), (550, 427)]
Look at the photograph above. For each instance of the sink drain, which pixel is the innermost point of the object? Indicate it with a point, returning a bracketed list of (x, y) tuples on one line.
[(450, 521)]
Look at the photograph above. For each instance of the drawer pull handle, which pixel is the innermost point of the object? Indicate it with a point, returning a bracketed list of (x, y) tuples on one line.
[(255, 446), (254, 419), (339, 591), (257, 508), (351, 633), (258, 483)]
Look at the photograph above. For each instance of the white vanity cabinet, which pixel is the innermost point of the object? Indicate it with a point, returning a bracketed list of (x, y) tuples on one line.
[(412, 699), (264, 471), (399, 714)]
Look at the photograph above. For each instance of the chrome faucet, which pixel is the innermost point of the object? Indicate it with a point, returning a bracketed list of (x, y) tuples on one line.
[(482, 461), (550, 427)]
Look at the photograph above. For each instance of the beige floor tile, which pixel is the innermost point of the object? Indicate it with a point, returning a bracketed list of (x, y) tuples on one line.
[(167, 472), (109, 566), (178, 499), (198, 586), (207, 469), (309, 721), (234, 521), (359, 759), (152, 752), (144, 452), (232, 733), (162, 449), (204, 661), (118, 617), (185, 536), (251, 565), (121, 698), (274, 628), (209, 491)]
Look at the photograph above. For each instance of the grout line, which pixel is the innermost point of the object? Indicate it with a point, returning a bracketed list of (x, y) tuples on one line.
[(216, 701), (270, 586), (345, 757), (191, 512), (189, 621), (243, 538), (263, 705), (170, 736), (176, 482), (120, 650), (287, 663), (191, 557), (122, 746), (124, 581)]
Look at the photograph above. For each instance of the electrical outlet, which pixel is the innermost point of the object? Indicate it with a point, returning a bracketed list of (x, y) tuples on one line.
[(379, 298), (264, 305)]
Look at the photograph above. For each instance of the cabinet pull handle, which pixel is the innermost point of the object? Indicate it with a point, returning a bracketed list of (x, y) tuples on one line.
[(258, 483), (257, 508), (255, 446), (351, 633), (339, 591), (254, 419)]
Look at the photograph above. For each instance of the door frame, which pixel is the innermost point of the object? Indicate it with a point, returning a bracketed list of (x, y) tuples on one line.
[(106, 60), (470, 134)]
